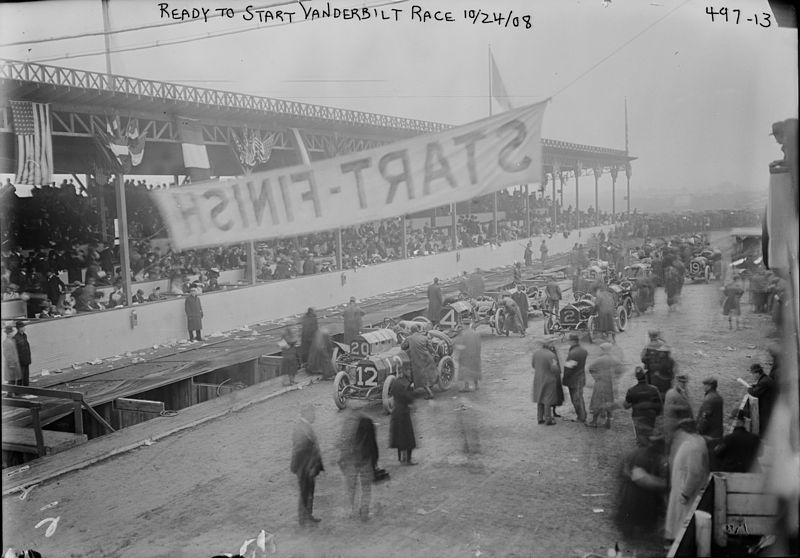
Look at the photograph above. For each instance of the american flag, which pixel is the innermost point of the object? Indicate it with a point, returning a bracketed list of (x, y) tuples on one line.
[(34, 142)]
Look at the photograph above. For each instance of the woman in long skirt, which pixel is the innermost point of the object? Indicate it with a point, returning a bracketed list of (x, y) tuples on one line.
[(401, 429)]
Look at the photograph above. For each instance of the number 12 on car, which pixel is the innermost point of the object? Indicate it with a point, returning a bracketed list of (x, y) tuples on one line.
[(366, 376)]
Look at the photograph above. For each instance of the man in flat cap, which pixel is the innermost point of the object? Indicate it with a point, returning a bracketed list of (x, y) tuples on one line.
[(644, 401), (659, 366), (763, 387), (709, 417), (575, 375)]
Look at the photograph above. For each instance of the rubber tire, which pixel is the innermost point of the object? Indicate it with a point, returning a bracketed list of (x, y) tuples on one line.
[(339, 383), (628, 305), (447, 373), (707, 274), (622, 318), (422, 320), (548, 325), (590, 327), (386, 399)]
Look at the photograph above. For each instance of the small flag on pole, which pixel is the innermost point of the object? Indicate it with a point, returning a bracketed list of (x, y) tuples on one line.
[(498, 88), (34, 142), (195, 156)]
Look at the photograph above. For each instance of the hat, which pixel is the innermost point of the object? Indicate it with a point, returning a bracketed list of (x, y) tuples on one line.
[(756, 368), (738, 421), (640, 373), (606, 347), (710, 382), (653, 333), (20, 324), (352, 299), (682, 377), (574, 337)]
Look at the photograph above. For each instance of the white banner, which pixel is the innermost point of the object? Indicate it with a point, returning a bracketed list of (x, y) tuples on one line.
[(405, 177)]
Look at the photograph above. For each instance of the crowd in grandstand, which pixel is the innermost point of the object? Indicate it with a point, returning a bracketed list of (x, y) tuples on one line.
[(66, 232)]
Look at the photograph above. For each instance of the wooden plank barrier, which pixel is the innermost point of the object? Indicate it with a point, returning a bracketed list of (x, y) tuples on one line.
[(138, 405), (23, 440)]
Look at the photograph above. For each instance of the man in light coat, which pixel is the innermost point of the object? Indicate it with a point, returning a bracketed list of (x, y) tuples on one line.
[(688, 474)]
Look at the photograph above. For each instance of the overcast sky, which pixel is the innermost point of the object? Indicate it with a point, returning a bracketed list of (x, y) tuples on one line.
[(702, 95)]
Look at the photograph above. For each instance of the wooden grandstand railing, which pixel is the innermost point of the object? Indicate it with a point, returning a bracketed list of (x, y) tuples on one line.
[(53, 75), (77, 403)]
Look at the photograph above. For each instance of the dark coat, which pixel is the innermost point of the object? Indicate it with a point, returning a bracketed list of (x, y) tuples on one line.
[(737, 451), (310, 327), (709, 416), (420, 352), (435, 301), (306, 457), (401, 429), (289, 362), (55, 288), (522, 302), (352, 322), (546, 378), (23, 349), (645, 403), (575, 376), (194, 313)]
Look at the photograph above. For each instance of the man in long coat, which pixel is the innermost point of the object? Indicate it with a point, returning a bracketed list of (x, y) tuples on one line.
[(401, 428), (420, 352), (575, 375), (358, 459), (709, 416), (604, 370), (688, 474), (672, 285), (604, 302), (645, 403), (468, 357), (521, 299), (676, 407), (12, 373), (309, 329), (306, 463), (23, 353), (435, 301), (545, 383), (353, 315), (194, 315), (320, 355)]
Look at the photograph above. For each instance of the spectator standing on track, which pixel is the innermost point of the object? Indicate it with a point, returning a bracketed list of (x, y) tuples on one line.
[(672, 287), (676, 407), (543, 252), (353, 315), (320, 355), (643, 482), (545, 383), (731, 306), (12, 372), (603, 370), (476, 284), (604, 302), (513, 316), (306, 463), (737, 452), (553, 292), (309, 325), (23, 354), (521, 298), (288, 346), (659, 365), (435, 301), (575, 375), (688, 474), (401, 429), (358, 450), (644, 401), (467, 355), (528, 254), (763, 388), (420, 352), (709, 416), (194, 315)]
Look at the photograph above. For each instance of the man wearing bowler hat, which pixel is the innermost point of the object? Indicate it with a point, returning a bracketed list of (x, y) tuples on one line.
[(575, 375), (709, 417)]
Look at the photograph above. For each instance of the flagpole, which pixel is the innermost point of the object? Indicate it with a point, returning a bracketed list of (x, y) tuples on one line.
[(122, 209), (494, 197)]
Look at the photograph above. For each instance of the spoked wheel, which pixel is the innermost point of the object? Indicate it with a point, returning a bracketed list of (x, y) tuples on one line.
[(707, 274), (386, 398), (629, 306), (447, 373), (622, 318), (340, 385), (549, 325), (499, 318)]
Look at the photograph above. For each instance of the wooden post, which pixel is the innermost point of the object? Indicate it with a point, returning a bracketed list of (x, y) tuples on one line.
[(720, 510), (527, 211), (124, 248), (77, 414), (614, 174), (455, 227), (339, 248), (702, 533), (251, 261), (405, 238), (577, 197), (494, 218), (37, 431)]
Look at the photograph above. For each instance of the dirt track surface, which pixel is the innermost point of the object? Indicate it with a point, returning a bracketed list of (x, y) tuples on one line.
[(532, 490)]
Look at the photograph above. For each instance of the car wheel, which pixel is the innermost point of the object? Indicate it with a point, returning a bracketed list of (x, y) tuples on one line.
[(447, 373), (498, 321), (386, 398), (622, 318), (590, 328), (340, 385), (629, 306)]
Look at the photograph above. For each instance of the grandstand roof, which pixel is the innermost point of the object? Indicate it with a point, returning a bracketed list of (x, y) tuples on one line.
[(80, 98)]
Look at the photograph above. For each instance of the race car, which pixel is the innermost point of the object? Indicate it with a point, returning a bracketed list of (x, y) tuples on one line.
[(699, 269), (375, 360)]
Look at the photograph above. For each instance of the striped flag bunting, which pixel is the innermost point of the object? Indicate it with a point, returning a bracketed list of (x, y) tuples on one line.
[(195, 155), (34, 142)]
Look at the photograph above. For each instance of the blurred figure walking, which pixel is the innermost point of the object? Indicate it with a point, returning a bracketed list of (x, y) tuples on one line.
[(306, 463)]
